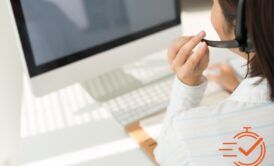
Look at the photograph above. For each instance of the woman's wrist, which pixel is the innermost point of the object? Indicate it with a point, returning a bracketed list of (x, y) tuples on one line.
[(195, 81), (233, 86)]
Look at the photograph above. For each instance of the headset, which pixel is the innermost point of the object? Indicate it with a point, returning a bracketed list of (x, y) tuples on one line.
[(243, 39)]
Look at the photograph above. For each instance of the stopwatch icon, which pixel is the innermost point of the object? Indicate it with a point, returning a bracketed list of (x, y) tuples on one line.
[(253, 155)]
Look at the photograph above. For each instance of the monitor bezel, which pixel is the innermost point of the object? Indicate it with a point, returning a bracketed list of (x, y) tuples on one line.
[(36, 70)]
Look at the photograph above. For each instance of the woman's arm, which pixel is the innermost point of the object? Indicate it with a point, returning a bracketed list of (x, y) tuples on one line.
[(183, 98), (188, 89)]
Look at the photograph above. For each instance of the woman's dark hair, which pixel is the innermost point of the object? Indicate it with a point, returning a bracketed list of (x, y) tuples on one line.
[(260, 18)]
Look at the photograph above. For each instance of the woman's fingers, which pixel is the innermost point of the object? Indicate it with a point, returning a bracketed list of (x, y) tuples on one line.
[(226, 77), (186, 50), (176, 46), (189, 46), (200, 56), (189, 65)]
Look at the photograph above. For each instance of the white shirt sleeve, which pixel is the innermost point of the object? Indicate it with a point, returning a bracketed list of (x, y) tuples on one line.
[(183, 98)]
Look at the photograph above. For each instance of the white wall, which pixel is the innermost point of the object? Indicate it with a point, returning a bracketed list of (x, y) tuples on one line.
[(10, 87)]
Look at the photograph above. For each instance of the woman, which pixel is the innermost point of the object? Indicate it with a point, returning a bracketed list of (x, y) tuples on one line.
[(194, 135)]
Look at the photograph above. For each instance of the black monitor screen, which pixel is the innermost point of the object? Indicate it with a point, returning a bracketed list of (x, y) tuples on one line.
[(58, 32)]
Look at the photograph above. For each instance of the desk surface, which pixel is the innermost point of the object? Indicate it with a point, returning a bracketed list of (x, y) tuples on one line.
[(97, 143), (100, 140)]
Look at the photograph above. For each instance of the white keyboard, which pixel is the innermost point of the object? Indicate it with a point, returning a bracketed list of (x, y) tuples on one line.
[(140, 103), (146, 101)]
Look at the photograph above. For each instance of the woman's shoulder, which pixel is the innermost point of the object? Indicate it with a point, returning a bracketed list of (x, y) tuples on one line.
[(206, 132), (228, 114), (227, 108)]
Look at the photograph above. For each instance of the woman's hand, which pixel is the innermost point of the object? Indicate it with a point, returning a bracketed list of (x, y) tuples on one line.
[(189, 65), (223, 75)]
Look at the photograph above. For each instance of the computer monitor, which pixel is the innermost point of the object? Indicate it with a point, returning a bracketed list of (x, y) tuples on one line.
[(67, 41)]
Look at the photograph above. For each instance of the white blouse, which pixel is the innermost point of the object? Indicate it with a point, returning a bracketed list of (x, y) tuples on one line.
[(199, 136)]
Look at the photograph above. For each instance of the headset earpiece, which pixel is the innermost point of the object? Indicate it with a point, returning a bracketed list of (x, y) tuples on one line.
[(243, 40)]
